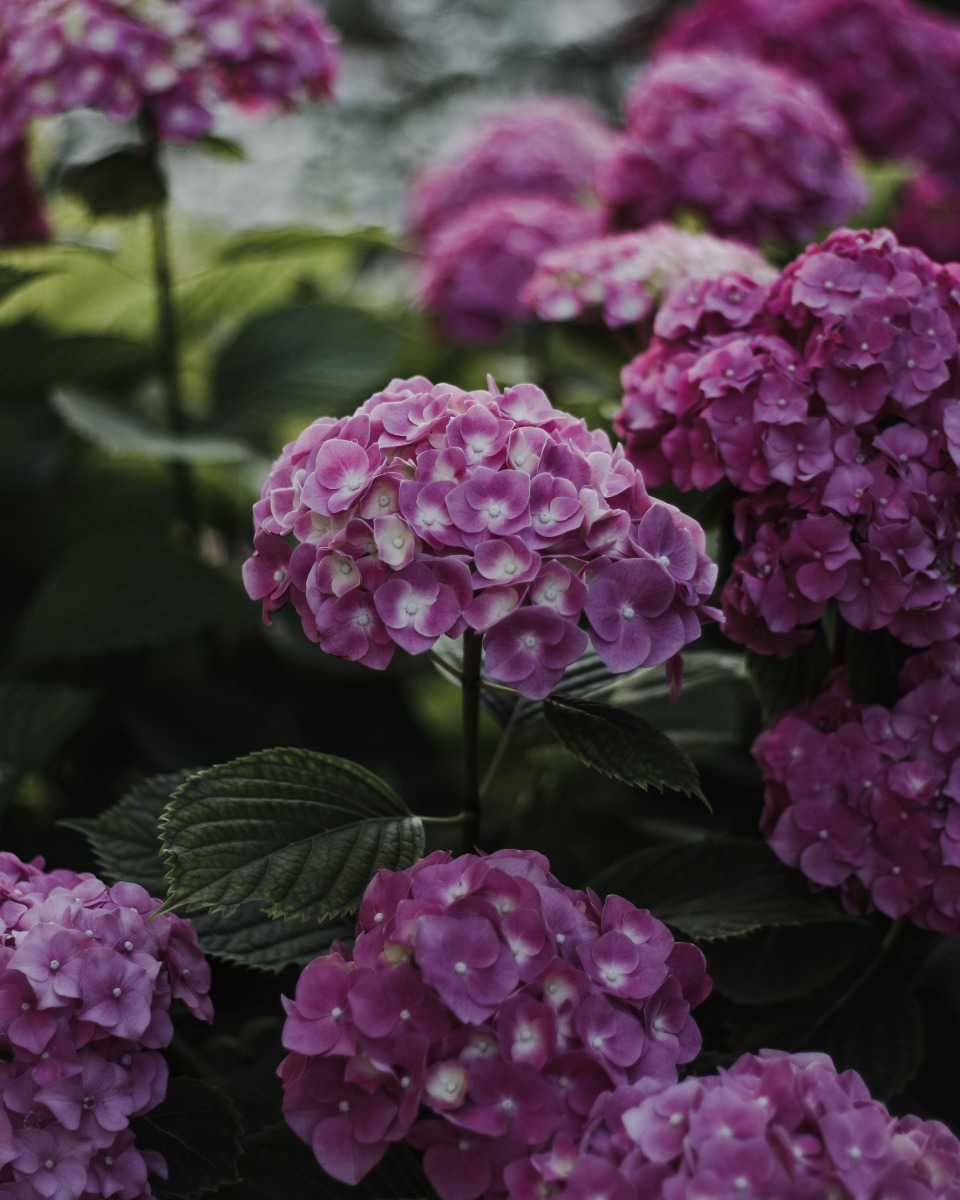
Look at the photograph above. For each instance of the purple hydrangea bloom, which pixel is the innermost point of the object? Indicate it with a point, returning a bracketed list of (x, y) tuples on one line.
[(87, 977), (432, 510), (485, 1009), (925, 215), (174, 61), (752, 149)]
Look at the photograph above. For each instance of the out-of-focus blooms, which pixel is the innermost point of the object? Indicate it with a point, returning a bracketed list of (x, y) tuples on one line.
[(774, 1126), (928, 215), (22, 217), (891, 68), (832, 401), (752, 149), (484, 1009), (87, 977), (541, 146), (474, 268), (432, 511), (173, 60), (867, 799), (627, 275)]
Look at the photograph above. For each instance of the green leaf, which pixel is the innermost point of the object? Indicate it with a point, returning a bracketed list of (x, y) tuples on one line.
[(621, 745), (120, 185), (873, 663), (782, 683), (37, 718), (717, 887), (298, 832), (298, 241), (197, 1130), (121, 593), (12, 278), (224, 148), (33, 357), (126, 436)]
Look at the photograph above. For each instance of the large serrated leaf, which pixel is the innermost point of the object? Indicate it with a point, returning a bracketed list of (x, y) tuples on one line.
[(621, 745), (717, 887), (297, 832), (127, 436), (120, 593), (197, 1130)]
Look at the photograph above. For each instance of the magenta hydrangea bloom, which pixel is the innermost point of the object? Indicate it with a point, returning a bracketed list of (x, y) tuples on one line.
[(926, 215), (432, 510), (774, 1126), (888, 826), (484, 1009), (171, 60), (474, 267), (891, 67), (830, 399), (752, 149), (540, 146), (87, 977), (22, 217), (626, 276)]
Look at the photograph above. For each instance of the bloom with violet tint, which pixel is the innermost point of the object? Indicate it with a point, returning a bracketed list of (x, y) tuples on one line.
[(433, 510), (888, 823), (925, 215), (87, 977), (171, 60), (754, 150), (890, 67), (773, 1126), (626, 276), (485, 1009), (473, 269), (540, 146)]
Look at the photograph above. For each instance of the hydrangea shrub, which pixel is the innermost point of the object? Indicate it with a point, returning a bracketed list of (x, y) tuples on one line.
[(431, 511), (484, 1009), (87, 977)]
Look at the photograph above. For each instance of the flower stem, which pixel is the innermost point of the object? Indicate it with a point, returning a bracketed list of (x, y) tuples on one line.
[(470, 692)]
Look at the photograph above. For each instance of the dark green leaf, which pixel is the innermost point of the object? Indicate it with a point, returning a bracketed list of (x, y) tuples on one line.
[(298, 832), (219, 147), (621, 745), (197, 1131), (873, 665), (33, 358), (717, 887), (37, 718), (121, 593), (122, 184), (127, 436), (876, 1029), (782, 683)]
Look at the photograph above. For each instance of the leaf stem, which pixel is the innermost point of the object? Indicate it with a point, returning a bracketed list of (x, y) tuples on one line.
[(470, 693)]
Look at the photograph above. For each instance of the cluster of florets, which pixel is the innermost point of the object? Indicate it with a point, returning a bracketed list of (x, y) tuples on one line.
[(87, 976), (432, 511), (885, 828), (171, 59), (834, 405), (891, 68), (484, 1009), (774, 1126), (627, 275), (925, 215), (22, 217), (752, 149), (525, 184)]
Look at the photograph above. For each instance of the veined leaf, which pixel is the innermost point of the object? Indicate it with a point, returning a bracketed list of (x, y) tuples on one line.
[(297, 832)]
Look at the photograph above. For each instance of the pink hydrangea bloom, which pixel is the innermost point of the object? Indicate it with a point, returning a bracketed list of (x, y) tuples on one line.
[(172, 60), (891, 67), (474, 267), (626, 276), (754, 150), (22, 218), (432, 510), (483, 1011), (87, 977), (774, 1126), (888, 824), (926, 216), (540, 146)]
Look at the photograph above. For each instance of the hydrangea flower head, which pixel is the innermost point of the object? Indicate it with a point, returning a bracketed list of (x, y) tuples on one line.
[(433, 510), (171, 60), (627, 275), (752, 149), (484, 1009), (542, 146), (926, 215), (87, 977)]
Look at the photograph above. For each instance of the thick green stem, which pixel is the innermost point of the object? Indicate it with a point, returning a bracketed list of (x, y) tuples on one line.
[(470, 692)]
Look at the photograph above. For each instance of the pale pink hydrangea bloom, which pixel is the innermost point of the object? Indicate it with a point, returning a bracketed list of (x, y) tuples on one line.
[(484, 1009), (626, 276), (433, 510), (87, 978)]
